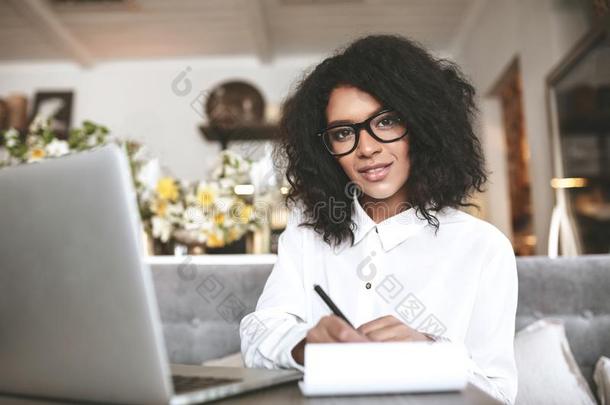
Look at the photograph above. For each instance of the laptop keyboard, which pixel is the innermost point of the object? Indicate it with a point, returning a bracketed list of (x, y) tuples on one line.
[(185, 383)]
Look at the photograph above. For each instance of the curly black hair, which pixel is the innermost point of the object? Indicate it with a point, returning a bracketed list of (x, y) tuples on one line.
[(434, 98)]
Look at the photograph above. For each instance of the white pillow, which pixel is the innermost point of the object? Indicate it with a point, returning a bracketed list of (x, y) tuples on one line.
[(601, 376), (231, 360), (548, 373)]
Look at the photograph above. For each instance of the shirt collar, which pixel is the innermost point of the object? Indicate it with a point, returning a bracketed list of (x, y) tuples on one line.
[(392, 231)]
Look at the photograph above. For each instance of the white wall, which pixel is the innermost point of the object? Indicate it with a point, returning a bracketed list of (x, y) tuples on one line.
[(540, 33), (135, 99)]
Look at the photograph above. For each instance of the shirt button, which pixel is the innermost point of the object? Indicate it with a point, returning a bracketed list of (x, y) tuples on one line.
[(368, 286)]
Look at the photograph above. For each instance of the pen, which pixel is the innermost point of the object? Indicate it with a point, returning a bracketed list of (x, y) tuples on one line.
[(331, 304)]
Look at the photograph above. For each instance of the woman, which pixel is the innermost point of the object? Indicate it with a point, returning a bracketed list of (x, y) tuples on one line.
[(380, 155)]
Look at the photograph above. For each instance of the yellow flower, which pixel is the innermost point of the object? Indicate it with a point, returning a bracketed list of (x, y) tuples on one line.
[(233, 234), (245, 214), (159, 207), (37, 154), (206, 196), (219, 219), (167, 189), (215, 241)]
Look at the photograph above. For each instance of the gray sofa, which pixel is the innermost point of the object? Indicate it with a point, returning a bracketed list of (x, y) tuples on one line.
[(201, 305)]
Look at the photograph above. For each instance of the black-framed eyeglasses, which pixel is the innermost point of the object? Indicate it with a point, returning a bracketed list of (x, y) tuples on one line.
[(341, 139)]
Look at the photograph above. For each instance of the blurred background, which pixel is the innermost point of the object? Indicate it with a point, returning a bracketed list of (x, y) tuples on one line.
[(192, 89)]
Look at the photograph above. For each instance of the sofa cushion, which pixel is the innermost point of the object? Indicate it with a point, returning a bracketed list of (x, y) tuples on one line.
[(548, 373), (575, 290), (201, 306)]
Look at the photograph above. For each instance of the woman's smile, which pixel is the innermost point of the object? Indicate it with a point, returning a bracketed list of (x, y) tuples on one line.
[(376, 172)]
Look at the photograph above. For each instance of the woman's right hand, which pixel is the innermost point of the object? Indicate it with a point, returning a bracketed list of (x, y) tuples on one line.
[(329, 329)]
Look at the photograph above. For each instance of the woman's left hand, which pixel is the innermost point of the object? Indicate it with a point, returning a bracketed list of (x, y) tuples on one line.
[(390, 329)]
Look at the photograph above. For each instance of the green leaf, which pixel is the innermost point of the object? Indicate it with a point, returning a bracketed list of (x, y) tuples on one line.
[(48, 135), (89, 127), (19, 151)]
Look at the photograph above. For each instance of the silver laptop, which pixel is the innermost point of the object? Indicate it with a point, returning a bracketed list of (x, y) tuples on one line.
[(78, 314)]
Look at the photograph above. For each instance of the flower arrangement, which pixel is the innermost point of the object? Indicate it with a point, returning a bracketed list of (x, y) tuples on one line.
[(41, 142), (208, 213)]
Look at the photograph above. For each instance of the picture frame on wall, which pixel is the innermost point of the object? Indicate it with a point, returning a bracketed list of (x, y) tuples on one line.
[(55, 106)]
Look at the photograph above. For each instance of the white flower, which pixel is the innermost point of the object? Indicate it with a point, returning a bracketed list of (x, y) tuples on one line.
[(226, 184), (263, 174), (230, 171), (38, 123), (36, 154), (10, 142), (228, 222), (191, 226), (11, 134), (57, 148), (145, 195), (161, 228), (175, 210), (149, 174), (190, 198), (223, 204)]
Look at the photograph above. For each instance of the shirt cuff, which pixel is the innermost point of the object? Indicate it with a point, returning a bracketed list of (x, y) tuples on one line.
[(477, 377), (290, 340)]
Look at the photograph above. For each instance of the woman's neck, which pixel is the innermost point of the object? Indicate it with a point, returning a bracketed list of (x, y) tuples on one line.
[(381, 209)]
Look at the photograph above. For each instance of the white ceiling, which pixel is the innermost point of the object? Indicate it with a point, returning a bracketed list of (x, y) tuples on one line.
[(88, 31)]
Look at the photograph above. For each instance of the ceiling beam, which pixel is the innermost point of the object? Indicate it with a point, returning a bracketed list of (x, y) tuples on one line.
[(259, 25), (41, 17)]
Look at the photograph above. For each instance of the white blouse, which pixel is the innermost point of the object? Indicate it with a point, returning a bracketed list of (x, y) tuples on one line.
[(460, 284)]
